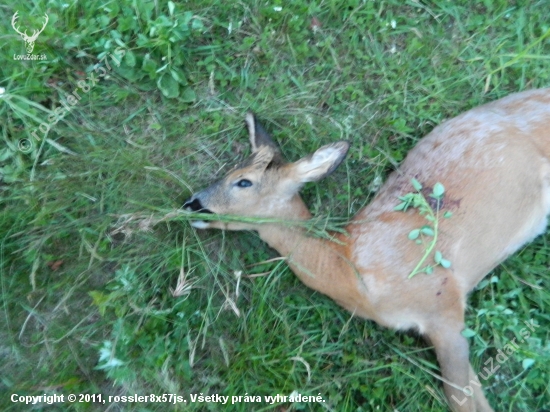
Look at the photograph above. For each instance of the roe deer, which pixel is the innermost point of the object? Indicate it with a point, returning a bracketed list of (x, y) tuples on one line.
[(494, 162)]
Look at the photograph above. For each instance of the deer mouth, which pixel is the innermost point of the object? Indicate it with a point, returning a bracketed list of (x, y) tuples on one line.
[(195, 205)]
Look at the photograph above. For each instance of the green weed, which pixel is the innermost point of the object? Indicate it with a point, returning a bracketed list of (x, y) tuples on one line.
[(431, 230)]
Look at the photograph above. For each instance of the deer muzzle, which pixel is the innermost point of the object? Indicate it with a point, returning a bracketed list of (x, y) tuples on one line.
[(195, 205)]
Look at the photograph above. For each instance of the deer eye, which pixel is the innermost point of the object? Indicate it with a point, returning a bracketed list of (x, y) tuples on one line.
[(244, 183)]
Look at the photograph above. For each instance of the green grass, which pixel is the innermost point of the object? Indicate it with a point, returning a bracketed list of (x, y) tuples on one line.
[(85, 282)]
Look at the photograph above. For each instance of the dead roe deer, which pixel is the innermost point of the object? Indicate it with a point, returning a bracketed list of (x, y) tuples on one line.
[(494, 162)]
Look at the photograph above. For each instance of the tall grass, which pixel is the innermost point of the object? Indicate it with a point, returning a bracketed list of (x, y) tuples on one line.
[(104, 288)]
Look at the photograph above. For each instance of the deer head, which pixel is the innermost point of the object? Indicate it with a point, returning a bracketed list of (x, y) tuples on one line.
[(264, 185), (29, 40)]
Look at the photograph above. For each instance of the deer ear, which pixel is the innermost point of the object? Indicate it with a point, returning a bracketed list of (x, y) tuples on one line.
[(262, 158), (257, 134), (321, 163)]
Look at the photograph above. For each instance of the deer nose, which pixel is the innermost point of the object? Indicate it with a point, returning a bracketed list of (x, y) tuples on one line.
[(195, 205)]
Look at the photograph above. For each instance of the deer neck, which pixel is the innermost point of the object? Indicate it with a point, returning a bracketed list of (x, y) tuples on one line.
[(320, 264)]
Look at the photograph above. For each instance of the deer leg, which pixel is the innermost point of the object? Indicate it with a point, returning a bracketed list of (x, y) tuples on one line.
[(482, 405), (452, 353)]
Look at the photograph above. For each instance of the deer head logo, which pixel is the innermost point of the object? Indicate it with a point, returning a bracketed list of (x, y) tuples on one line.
[(29, 40)]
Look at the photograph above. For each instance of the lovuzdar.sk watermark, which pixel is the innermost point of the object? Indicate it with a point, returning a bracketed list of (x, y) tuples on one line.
[(28, 39), (29, 56)]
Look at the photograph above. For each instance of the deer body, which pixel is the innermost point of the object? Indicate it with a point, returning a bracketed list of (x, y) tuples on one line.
[(494, 162)]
